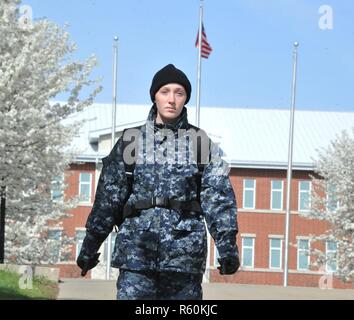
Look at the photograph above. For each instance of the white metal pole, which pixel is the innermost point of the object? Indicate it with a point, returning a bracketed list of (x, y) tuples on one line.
[(197, 111), (289, 171), (197, 107), (114, 112)]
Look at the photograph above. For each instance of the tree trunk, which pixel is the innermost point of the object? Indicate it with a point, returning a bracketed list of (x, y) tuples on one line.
[(2, 224)]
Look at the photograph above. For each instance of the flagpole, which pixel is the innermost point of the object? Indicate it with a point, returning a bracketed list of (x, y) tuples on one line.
[(114, 112), (289, 171), (197, 107)]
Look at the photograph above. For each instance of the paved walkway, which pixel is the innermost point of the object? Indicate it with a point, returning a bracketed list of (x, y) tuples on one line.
[(83, 289)]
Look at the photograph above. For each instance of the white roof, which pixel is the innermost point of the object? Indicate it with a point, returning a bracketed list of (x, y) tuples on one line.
[(249, 137)]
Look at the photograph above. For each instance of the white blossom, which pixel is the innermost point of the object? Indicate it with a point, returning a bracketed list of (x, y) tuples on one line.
[(332, 200), (36, 64)]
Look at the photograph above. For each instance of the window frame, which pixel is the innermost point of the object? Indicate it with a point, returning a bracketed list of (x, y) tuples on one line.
[(281, 195), (60, 180), (298, 254), (78, 241), (249, 189), (299, 196), (248, 247), (89, 200), (328, 270), (280, 254), (60, 230), (329, 201)]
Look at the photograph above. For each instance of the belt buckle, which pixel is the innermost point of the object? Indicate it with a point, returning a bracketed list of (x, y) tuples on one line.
[(161, 202), (153, 202)]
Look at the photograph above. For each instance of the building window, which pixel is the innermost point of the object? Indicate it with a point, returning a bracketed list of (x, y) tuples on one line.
[(304, 195), (85, 187), (275, 253), (80, 235), (105, 247), (54, 239), (331, 252), (303, 254), (216, 256), (332, 199), (56, 192), (247, 252), (277, 195), (249, 194)]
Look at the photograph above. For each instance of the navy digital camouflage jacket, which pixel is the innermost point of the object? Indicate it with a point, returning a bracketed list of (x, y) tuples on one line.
[(162, 239)]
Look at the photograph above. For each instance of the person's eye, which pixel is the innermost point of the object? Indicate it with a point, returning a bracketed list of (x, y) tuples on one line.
[(180, 94)]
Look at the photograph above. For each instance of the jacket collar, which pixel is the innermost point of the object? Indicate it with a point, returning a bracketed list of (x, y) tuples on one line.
[(179, 123)]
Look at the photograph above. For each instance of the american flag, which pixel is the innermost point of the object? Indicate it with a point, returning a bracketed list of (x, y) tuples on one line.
[(206, 48)]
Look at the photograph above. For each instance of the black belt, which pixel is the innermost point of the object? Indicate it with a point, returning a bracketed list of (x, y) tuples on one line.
[(191, 206)]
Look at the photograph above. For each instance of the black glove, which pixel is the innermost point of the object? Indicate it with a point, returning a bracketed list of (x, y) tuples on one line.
[(88, 257), (229, 265), (87, 262)]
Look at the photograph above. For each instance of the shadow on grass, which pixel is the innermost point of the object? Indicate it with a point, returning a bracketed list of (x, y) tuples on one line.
[(10, 294)]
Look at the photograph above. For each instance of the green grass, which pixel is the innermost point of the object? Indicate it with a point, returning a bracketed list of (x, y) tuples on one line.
[(42, 288)]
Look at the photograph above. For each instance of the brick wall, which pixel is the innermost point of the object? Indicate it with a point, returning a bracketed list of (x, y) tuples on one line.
[(276, 279), (263, 222), (71, 271), (80, 213)]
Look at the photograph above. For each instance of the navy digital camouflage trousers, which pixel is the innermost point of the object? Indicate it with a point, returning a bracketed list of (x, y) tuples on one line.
[(150, 285)]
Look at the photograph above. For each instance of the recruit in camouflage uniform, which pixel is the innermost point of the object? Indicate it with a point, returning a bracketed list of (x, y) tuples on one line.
[(161, 249)]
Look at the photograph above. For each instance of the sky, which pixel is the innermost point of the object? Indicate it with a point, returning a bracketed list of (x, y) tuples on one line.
[(252, 60)]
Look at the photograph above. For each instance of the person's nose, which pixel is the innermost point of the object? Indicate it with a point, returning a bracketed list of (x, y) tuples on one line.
[(171, 98)]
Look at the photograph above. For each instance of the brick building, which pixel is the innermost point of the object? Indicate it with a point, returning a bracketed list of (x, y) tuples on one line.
[(255, 142)]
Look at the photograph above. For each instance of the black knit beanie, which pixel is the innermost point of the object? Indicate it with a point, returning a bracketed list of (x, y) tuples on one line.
[(170, 74)]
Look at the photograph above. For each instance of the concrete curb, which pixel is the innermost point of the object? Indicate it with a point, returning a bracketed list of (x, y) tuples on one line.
[(86, 289)]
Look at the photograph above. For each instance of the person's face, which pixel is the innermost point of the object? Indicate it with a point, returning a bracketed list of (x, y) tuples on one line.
[(169, 100)]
